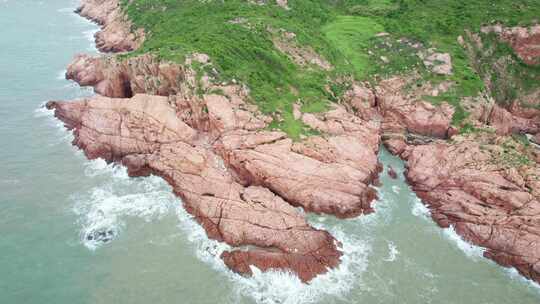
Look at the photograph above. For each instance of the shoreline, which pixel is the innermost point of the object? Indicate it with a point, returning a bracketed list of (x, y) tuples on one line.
[(240, 143)]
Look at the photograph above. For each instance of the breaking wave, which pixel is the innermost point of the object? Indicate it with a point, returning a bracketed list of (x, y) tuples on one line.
[(472, 251), (102, 211), (392, 252)]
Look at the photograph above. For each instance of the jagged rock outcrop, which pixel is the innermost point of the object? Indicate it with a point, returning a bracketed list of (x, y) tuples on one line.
[(324, 174), (144, 134), (392, 173), (408, 118), (525, 41), (507, 123), (116, 34), (239, 179), (122, 79), (486, 189)]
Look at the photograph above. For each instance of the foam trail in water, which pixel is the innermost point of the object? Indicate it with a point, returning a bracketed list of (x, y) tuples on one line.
[(514, 275), (418, 208), (61, 75), (89, 34), (392, 252), (42, 111), (69, 10), (472, 251), (282, 287), (104, 208)]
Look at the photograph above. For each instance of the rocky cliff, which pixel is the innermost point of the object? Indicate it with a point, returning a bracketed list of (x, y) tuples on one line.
[(242, 178), (239, 179)]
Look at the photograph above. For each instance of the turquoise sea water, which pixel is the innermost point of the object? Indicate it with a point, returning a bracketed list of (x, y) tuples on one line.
[(51, 198)]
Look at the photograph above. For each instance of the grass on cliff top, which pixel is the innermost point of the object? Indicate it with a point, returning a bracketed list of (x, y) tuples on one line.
[(352, 35), (341, 31)]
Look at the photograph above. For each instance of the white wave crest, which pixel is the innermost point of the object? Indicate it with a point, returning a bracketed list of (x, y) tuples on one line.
[(514, 275), (42, 111), (419, 209), (273, 287), (472, 251), (61, 75), (392, 252), (89, 34), (66, 10), (103, 209)]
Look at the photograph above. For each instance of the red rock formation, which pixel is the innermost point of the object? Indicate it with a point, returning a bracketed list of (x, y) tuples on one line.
[(145, 135), (474, 185), (408, 118), (328, 174), (392, 173), (484, 185), (113, 78), (506, 122), (524, 41), (116, 33), (336, 185), (238, 179)]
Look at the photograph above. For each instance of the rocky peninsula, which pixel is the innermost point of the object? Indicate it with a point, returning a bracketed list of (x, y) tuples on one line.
[(248, 173)]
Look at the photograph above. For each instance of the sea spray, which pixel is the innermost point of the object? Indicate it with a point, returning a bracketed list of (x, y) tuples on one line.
[(102, 210)]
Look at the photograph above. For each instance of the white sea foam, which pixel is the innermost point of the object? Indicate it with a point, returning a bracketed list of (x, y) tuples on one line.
[(61, 75), (89, 34), (472, 251), (418, 208), (383, 212), (278, 286), (63, 135), (514, 275), (392, 252), (69, 10), (99, 167), (42, 111), (103, 209)]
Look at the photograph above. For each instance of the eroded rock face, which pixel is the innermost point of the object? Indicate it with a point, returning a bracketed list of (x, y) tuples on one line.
[(237, 178), (122, 79), (406, 117), (492, 202), (506, 122), (438, 63), (240, 180), (328, 174), (116, 33), (145, 134), (524, 41)]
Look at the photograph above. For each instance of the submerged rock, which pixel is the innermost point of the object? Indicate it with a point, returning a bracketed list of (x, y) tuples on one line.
[(392, 173)]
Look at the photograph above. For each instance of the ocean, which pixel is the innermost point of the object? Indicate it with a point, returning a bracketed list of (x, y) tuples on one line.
[(52, 199)]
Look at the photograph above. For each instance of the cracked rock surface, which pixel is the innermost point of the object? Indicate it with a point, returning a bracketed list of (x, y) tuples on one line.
[(240, 180), (144, 134), (470, 186)]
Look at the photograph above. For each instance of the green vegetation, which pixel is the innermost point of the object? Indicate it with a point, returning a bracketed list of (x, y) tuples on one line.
[(514, 153), (352, 36), (509, 76), (236, 35)]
